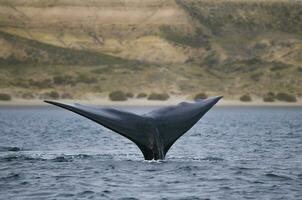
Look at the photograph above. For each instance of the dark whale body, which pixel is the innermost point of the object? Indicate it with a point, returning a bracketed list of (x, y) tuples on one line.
[(155, 132)]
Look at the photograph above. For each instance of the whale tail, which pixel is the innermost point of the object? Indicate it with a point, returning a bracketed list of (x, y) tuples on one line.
[(154, 132)]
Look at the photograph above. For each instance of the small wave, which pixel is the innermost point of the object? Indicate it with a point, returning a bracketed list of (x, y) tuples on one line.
[(210, 158), (10, 158), (276, 176), (150, 170), (11, 176), (258, 182), (173, 182), (186, 159), (190, 168), (243, 168), (3, 149), (70, 158), (154, 161), (61, 158), (86, 192)]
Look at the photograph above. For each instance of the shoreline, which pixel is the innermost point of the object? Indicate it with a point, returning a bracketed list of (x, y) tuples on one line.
[(145, 102)]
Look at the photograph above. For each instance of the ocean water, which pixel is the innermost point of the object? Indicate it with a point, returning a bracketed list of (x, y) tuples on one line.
[(231, 153)]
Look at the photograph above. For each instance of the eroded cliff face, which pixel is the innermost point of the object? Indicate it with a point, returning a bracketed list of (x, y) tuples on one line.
[(178, 45)]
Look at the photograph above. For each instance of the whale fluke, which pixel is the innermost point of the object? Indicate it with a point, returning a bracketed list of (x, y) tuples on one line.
[(154, 132)]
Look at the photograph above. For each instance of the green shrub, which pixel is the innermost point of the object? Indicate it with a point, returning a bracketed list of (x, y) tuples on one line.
[(246, 98), (129, 95), (200, 96), (269, 97), (260, 46), (158, 96), (141, 95), (28, 95), (282, 96), (279, 66), (271, 94), (5, 97), (194, 39), (117, 96), (211, 60)]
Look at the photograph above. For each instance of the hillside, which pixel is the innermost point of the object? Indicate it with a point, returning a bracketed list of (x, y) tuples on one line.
[(176, 46)]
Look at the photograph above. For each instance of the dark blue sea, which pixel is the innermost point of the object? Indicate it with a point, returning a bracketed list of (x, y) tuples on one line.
[(231, 153)]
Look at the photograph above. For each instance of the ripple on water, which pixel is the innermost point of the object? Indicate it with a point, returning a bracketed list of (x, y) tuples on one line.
[(19, 157), (189, 168), (53, 158), (278, 176), (86, 192), (11, 177), (15, 149), (210, 158)]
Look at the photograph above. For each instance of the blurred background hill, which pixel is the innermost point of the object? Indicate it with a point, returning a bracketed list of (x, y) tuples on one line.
[(180, 47)]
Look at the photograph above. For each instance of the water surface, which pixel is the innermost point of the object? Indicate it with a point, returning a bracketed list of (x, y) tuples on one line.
[(231, 153)]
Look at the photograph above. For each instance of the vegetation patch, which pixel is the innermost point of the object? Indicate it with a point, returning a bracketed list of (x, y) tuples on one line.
[(246, 98), (279, 66), (36, 51), (5, 97), (266, 15), (269, 97), (141, 95), (193, 39), (282, 96), (159, 96), (211, 59), (199, 96), (117, 96)]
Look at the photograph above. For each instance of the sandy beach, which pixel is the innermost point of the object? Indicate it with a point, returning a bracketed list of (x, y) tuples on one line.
[(144, 102)]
